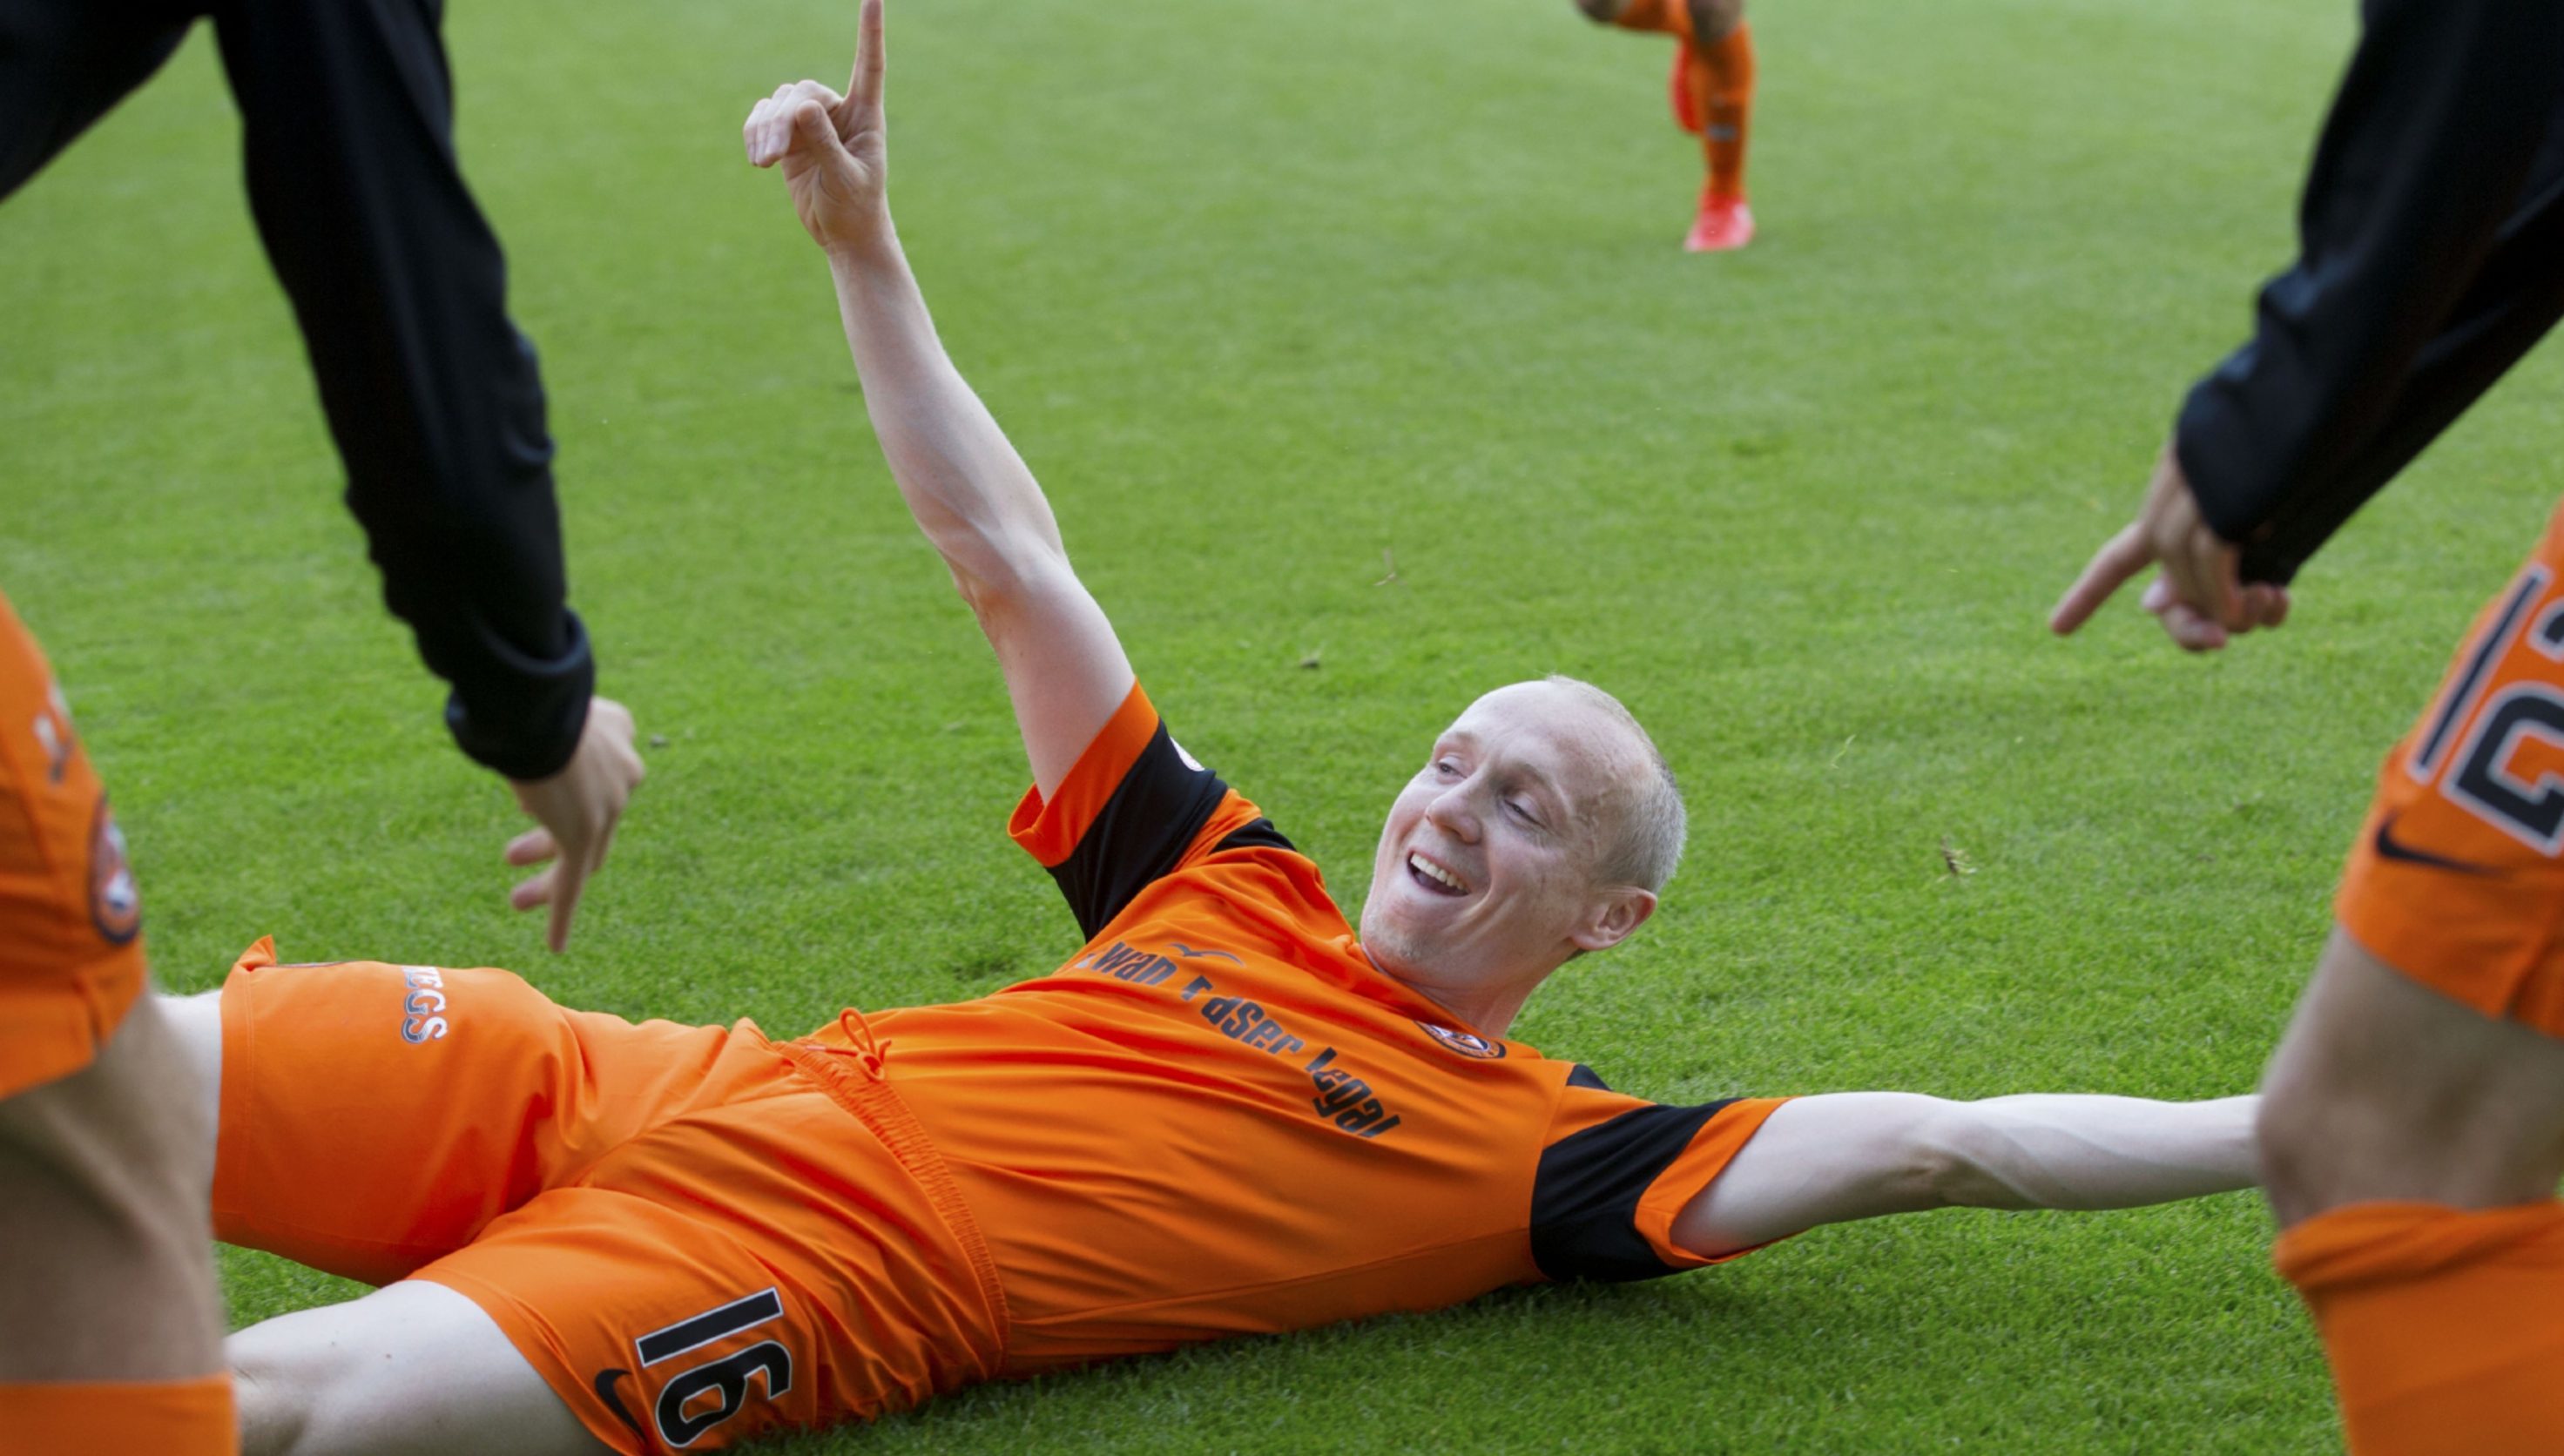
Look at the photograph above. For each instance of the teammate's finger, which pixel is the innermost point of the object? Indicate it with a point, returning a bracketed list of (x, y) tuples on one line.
[(566, 884), (2276, 615), (532, 892), (2187, 628), (532, 847), (2204, 575), (2120, 557)]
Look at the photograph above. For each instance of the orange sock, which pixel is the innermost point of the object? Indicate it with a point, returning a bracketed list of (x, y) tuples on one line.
[(2445, 1327), (166, 1418), (1722, 75)]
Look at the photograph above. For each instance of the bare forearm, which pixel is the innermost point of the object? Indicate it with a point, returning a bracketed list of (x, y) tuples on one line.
[(969, 492), (2074, 1151)]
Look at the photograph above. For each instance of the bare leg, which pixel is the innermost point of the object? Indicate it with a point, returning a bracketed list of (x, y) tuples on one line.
[(2383, 1089), (411, 1369), (1711, 20), (196, 1025), (106, 1268)]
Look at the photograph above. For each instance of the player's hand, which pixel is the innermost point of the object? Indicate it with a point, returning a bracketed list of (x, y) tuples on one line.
[(2199, 598), (833, 149), (577, 809)]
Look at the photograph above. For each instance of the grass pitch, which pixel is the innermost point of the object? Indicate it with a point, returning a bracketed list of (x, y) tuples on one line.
[(1276, 298)]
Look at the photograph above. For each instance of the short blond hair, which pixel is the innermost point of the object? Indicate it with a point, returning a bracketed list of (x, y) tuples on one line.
[(1646, 842)]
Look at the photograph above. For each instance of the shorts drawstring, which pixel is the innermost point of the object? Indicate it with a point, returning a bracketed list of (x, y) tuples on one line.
[(856, 1075), (869, 1051)]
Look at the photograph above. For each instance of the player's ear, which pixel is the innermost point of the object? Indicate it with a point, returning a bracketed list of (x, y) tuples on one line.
[(1613, 914)]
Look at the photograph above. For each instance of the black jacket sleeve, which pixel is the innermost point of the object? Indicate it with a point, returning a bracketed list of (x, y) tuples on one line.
[(433, 396), (2432, 256)]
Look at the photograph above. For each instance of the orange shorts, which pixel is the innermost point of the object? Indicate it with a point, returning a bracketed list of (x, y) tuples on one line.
[(70, 925), (694, 1234), (2457, 878)]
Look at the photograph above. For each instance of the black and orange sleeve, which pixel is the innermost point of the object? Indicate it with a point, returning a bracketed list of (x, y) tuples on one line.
[(1617, 1172), (1135, 809)]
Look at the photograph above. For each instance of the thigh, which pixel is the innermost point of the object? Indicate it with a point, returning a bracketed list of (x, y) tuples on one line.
[(436, 1100), (2385, 1089), (105, 1270), (765, 1265), (71, 947), (411, 1369), (66, 63)]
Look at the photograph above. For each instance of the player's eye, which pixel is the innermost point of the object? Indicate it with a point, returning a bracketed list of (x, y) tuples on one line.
[(1447, 767), (1523, 812)]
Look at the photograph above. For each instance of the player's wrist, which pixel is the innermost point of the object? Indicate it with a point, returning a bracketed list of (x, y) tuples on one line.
[(871, 244)]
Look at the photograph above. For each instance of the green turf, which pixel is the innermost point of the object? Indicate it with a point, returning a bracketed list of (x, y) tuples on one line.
[(1267, 294)]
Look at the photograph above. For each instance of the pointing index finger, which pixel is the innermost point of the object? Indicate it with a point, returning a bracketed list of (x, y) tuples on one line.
[(864, 87), (2120, 557)]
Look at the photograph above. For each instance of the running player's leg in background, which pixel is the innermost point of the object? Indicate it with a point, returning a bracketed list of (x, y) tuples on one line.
[(1713, 98), (411, 1369)]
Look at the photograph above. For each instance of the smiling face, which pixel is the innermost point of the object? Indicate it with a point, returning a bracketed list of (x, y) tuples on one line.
[(1489, 874)]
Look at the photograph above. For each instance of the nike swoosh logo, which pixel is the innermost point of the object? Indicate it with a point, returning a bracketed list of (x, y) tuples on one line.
[(605, 1392), (2391, 848), (1189, 953)]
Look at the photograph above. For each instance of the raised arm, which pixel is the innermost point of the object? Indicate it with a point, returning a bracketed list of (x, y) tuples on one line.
[(1858, 1155), (969, 492)]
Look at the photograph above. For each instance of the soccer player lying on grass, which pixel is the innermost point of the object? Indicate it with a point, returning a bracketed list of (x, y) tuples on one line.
[(1225, 1114)]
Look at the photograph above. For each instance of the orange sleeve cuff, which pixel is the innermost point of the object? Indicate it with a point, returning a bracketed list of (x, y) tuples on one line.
[(1049, 832), (1695, 1168)]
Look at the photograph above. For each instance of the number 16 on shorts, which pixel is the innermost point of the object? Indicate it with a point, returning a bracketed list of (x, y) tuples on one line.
[(699, 1396)]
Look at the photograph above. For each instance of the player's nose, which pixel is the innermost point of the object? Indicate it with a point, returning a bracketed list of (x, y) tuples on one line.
[(1455, 810)]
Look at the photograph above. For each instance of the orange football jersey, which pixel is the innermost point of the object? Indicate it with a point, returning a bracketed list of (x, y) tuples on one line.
[(1219, 1118)]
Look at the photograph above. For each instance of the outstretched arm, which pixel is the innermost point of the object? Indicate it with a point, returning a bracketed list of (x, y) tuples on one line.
[(969, 492), (1858, 1155)]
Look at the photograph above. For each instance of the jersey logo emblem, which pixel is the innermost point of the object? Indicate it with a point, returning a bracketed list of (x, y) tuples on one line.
[(613, 1398), (1466, 1043), (1189, 953), (114, 902), (2391, 848)]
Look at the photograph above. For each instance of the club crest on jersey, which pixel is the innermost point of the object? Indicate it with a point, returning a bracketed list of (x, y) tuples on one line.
[(114, 901), (1466, 1043)]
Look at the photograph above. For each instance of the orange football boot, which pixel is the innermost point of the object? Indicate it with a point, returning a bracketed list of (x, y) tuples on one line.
[(1725, 224)]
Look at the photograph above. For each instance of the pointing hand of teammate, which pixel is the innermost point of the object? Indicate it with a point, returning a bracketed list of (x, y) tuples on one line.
[(577, 809), (833, 149), (2198, 597)]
